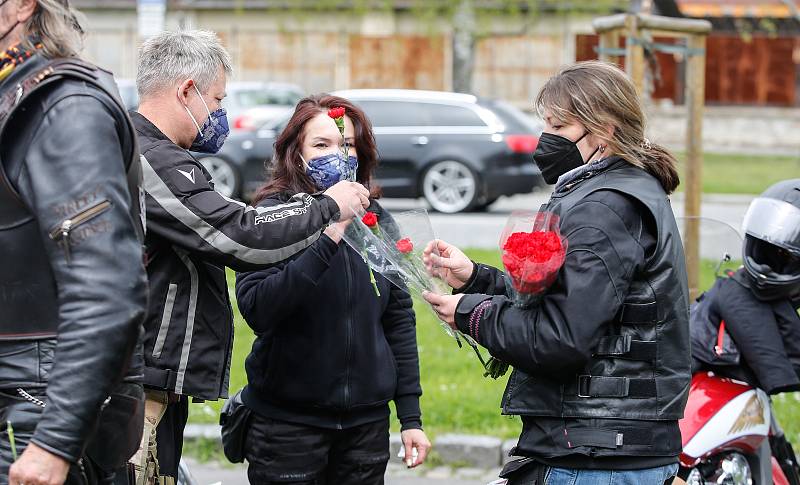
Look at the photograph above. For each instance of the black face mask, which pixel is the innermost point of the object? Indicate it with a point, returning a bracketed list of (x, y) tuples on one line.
[(556, 155)]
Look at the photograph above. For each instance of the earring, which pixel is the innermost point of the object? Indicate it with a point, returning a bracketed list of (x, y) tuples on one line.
[(602, 148)]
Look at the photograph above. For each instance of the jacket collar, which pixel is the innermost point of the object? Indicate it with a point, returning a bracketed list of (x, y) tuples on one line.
[(571, 179), (146, 127)]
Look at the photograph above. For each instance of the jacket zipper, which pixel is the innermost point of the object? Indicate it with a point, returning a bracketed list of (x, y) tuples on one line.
[(62, 231), (349, 329)]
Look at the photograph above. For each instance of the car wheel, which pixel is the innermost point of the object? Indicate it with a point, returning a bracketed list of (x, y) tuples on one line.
[(450, 186), (223, 174)]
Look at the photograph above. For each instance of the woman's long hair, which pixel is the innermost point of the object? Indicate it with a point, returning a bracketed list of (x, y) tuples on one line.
[(288, 171), (56, 26), (598, 95)]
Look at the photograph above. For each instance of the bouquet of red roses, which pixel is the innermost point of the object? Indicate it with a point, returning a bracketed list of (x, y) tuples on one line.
[(533, 252)]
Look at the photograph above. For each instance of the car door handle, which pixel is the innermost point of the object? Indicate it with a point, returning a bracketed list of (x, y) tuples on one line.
[(419, 140)]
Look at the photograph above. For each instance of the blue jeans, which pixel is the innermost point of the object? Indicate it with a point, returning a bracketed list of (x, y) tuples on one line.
[(646, 476)]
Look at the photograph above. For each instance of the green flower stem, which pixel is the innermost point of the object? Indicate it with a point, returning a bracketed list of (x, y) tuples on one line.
[(495, 368), (340, 124), (371, 274), (11, 440)]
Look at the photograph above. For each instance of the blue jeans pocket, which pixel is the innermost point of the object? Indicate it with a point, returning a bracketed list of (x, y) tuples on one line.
[(561, 476)]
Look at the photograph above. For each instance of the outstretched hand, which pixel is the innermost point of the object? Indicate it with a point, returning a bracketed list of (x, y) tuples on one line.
[(448, 263)]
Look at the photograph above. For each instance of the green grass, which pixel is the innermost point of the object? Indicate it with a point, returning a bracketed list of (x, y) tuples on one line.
[(456, 397), (742, 174)]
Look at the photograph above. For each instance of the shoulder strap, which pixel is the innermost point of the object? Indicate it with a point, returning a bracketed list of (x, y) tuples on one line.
[(74, 68), (53, 71)]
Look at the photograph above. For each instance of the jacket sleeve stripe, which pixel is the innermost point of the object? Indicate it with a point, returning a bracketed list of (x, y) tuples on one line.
[(305, 201), (187, 338), (166, 316), (158, 190)]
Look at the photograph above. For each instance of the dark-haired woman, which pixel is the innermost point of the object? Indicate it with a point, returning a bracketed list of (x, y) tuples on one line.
[(602, 364), (330, 352)]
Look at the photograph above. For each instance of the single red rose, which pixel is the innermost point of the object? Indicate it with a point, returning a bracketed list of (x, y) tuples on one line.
[(370, 219), (336, 112), (405, 245)]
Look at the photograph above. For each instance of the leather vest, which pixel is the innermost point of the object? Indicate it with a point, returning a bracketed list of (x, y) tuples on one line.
[(640, 370), (28, 295)]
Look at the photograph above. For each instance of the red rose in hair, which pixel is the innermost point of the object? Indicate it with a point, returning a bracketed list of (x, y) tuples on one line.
[(405, 245), (370, 219), (336, 112)]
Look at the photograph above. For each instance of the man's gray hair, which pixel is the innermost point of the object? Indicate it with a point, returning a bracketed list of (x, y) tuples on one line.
[(171, 57)]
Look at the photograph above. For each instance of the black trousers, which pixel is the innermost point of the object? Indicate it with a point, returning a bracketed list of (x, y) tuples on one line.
[(279, 452), (169, 437), (24, 415)]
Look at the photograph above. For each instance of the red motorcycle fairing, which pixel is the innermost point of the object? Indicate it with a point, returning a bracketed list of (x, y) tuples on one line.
[(708, 394), (722, 415)]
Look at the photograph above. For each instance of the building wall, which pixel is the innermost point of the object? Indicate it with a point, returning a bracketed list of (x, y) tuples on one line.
[(324, 52), (757, 70)]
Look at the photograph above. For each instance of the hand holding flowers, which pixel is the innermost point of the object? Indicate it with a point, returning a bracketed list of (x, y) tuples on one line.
[(337, 229), (448, 263)]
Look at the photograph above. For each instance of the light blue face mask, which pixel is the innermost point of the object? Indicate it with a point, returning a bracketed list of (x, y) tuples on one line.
[(214, 131), (330, 169)]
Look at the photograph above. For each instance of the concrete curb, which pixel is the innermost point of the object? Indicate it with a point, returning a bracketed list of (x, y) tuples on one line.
[(475, 451)]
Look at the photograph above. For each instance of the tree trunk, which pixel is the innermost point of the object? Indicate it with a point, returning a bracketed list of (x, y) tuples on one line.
[(463, 46)]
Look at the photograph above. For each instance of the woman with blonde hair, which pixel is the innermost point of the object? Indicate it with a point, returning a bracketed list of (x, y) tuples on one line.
[(601, 363)]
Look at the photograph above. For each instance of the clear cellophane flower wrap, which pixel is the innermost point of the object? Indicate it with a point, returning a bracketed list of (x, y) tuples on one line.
[(533, 251), (392, 245)]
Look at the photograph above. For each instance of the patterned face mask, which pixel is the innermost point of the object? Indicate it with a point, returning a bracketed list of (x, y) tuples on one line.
[(214, 131), (330, 169)]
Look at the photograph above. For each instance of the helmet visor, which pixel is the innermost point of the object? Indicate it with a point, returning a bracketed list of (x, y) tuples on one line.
[(774, 221)]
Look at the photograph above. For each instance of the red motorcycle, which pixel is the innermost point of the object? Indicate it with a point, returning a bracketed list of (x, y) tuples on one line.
[(730, 435)]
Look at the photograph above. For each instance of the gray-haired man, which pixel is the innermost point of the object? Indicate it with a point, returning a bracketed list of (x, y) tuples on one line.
[(194, 232)]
